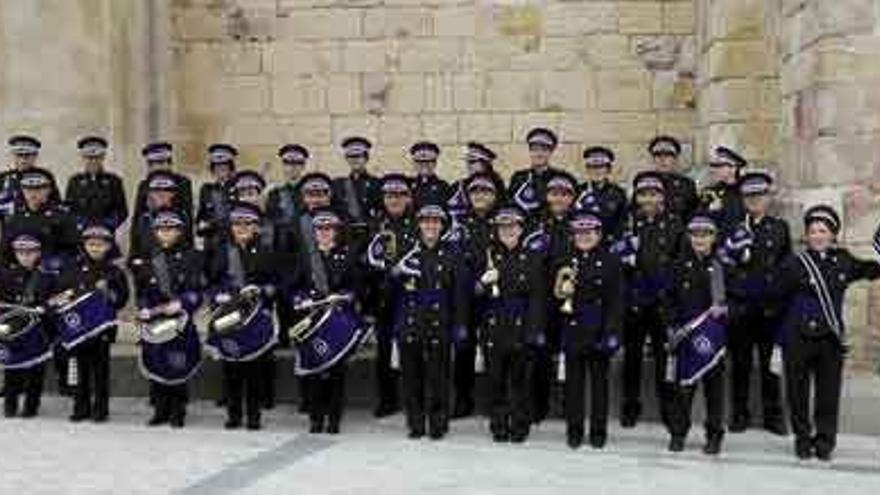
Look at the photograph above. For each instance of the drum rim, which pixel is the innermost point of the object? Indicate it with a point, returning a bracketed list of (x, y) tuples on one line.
[(184, 316), (34, 321), (258, 306)]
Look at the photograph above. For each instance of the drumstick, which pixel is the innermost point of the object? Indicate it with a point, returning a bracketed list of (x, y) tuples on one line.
[(19, 307), (331, 299)]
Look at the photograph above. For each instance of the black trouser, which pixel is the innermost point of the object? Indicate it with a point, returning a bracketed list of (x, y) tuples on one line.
[(816, 361), (510, 373), (426, 383), (169, 401), (463, 373), (751, 329), (93, 377), (683, 399), (243, 383), (61, 360), (386, 376), (641, 323), (576, 365), (265, 381), (544, 367), (327, 395), (27, 382)]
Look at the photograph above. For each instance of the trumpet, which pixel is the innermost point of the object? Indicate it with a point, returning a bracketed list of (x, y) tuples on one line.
[(492, 271), (564, 288), (389, 242)]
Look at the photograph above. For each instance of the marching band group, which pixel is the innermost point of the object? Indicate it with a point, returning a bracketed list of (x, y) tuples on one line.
[(533, 282)]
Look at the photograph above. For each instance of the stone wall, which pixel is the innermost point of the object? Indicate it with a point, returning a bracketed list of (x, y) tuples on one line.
[(259, 73)]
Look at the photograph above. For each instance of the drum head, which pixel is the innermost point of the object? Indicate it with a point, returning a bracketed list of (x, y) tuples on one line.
[(163, 329), (16, 323)]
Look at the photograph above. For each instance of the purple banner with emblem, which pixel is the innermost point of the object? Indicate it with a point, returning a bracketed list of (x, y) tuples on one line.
[(697, 352)]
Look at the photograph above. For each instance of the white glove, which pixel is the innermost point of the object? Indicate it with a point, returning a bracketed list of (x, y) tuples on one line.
[(144, 314), (490, 277), (222, 298), (172, 307)]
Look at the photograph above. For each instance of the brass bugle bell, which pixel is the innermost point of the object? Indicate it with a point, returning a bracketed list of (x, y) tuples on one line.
[(564, 288)]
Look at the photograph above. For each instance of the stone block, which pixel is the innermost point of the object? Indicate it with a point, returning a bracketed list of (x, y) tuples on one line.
[(625, 89), (487, 127), (365, 55), (641, 17), (568, 90), (397, 22), (741, 59), (512, 90), (304, 57)]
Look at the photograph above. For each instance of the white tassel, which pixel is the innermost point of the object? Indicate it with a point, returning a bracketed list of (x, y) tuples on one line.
[(776, 361), (395, 356), (72, 372), (671, 368), (560, 368), (479, 361)]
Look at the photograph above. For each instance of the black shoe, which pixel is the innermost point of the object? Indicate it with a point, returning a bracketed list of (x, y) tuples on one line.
[(629, 417), (676, 444), (739, 424), (333, 428), (776, 426), (575, 440), (177, 422), (713, 445), (316, 427), (518, 437), (100, 415), (598, 440), (29, 413), (232, 424), (803, 449), (500, 437), (79, 417), (823, 455), (221, 402), (416, 434), (10, 413), (157, 419), (385, 410), (253, 424), (437, 432), (463, 409)]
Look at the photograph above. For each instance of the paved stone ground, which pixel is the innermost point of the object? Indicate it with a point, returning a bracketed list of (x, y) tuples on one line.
[(50, 455)]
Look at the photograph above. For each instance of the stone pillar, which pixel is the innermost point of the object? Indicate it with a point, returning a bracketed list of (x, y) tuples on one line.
[(738, 78), (831, 132)]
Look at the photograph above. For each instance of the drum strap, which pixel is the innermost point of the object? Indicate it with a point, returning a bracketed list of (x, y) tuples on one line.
[(820, 287), (354, 204), (316, 264), (163, 278), (235, 268)]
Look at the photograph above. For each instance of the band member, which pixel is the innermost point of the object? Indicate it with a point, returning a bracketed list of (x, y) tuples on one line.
[(722, 199), (44, 218), (602, 197), (479, 159), (427, 187), (159, 156), (316, 195), (682, 196), (162, 190), (433, 313), (589, 287), (553, 236), (25, 151), (477, 232), (25, 284), (332, 270), (659, 236), (95, 271), (168, 286), (214, 196), (512, 324), (283, 203), (394, 235), (245, 267), (528, 187), (755, 310), (96, 195), (812, 335), (697, 313), (358, 192)]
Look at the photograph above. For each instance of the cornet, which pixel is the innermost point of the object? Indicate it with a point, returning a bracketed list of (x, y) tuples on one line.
[(564, 288), (495, 289)]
